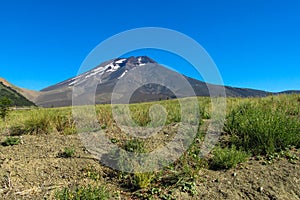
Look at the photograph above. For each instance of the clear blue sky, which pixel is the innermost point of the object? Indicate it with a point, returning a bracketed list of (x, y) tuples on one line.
[(255, 43)]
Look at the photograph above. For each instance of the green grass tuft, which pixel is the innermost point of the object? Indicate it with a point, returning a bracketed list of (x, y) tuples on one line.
[(80, 193), (226, 158), (262, 130), (10, 141), (67, 153)]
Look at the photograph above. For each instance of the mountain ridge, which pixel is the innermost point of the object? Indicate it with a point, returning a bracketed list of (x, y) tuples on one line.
[(17, 99), (29, 94), (107, 74)]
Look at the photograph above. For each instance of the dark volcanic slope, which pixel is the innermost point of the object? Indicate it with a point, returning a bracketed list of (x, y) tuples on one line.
[(16, 98), (109, 73), (290, 92)]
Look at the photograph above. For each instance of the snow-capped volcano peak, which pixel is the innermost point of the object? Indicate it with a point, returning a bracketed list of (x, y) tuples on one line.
[(119, 63), (140, 60), (119, 72), (113, 69)]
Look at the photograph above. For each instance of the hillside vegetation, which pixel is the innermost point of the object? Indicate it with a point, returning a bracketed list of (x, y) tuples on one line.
[(257, 156), (16, 98)]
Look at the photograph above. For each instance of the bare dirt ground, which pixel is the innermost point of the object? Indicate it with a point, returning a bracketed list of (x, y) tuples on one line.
[(33, 170)]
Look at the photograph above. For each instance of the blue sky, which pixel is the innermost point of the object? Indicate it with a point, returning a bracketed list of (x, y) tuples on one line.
[(254, 43)]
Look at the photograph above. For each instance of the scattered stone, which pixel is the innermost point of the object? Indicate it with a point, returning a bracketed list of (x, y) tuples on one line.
[(65, 176), (21, 140)]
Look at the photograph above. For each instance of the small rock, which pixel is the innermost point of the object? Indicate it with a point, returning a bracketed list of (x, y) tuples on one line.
[(260, 189), (21, 140), (234, 174), (65, 176)]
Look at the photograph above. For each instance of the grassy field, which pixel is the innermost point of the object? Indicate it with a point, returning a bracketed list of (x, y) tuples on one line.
[(41, 155)]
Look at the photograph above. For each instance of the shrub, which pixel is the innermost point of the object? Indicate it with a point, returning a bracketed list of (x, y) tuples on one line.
[(129, 164), (225, 158), (262, 130), (91, 172), (67, 153), (82, 192), (189, 187), (135, 145), (39, 124), (17, 130), (205, 114), (142, 180), (31, 122), (10, 141), (64, 124), (5, 103)]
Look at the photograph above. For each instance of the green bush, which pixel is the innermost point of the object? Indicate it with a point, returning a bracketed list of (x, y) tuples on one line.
[(142, 180), (32, 126), (17, 130), (64, 124), (67, 153), (5, 103), (82, 192), (225, 158), (10, 141), (262, 130), (39, 124), (135, 145), (128, 162)]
